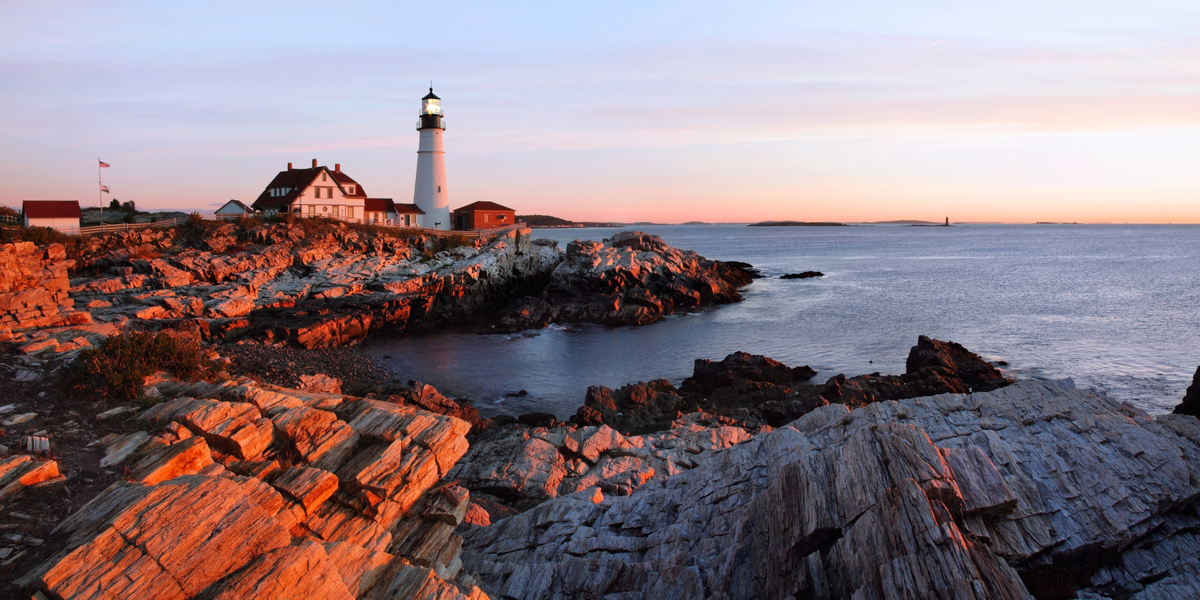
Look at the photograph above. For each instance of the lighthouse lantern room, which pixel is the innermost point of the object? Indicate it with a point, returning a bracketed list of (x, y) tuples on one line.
[(430, 193)]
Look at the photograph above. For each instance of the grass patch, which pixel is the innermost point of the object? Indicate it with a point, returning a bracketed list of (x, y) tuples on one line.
[(119, 366), (445, 243), (38, 235)]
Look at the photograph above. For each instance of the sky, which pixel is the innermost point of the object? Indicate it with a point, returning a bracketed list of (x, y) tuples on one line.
[(1013, 111)]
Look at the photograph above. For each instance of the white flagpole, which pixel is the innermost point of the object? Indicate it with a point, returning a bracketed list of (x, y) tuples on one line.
[(100, 184)]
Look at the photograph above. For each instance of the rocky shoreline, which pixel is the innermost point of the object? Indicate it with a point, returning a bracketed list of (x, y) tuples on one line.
[(308, 471)]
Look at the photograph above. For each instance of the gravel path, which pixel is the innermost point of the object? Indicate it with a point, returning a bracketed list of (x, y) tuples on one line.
[(283, 366)]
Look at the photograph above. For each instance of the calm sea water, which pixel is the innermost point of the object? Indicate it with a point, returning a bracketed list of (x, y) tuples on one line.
[(1115, 307)]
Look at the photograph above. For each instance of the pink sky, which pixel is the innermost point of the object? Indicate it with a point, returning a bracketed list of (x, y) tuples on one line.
[(797, 110)]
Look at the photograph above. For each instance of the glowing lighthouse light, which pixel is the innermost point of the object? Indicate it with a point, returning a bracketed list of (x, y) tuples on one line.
[(430, 193), (431, 105)]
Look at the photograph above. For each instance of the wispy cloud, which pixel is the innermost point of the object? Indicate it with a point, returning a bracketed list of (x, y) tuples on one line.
[(183, 92)]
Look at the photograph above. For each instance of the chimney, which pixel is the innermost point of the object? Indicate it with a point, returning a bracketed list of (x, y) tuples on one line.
[(289, 166), (314, 163), (337, 167)]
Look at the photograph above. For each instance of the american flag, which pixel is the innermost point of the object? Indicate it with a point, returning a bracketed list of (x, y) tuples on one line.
[(104, 164), (104, 188)]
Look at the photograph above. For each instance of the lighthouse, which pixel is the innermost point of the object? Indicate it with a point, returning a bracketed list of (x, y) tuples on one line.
[(430, 193)]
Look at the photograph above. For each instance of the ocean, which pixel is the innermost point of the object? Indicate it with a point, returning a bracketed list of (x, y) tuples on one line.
[(1115, 307)]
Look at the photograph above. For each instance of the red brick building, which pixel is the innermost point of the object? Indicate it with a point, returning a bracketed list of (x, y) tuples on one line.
[(482, 215)]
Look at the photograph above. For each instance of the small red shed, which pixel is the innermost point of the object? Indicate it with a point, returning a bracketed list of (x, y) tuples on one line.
[(482, 215)]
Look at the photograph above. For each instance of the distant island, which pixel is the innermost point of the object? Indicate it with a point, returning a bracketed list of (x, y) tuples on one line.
[(548, 222), (906, 222), (1055, 223), (796, 224)]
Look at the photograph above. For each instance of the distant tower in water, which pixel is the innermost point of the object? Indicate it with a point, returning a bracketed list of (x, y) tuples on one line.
[(430, 193)]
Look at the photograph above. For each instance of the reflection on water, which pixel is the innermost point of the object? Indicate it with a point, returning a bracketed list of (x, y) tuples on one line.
[(1114, 307)]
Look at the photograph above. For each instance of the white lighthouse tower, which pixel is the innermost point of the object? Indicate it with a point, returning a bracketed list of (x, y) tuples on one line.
[(430, 194)]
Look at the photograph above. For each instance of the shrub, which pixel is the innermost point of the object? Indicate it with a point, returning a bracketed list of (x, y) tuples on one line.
[(41, 236), (119, 366)]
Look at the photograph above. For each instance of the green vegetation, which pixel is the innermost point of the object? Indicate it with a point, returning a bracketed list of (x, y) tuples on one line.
[(449, 242), (555, 222), (796, 224), (118, 368), (545, 221), (41, 236)]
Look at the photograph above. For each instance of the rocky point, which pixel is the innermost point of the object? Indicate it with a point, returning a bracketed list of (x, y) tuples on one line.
[(747, 480)]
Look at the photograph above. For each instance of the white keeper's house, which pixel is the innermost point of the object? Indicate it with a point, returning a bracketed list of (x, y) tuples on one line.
[(323, 192)]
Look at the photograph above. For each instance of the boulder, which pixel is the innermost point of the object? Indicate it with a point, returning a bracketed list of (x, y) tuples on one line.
[(118, 447), (234, 428), (318, 436), (321, 383), (618, 475), (515, 466), (954, 364), (21, 471), (756, 391), (526, 312), (234, 307), (425, 397), (1191, 399), (309, 486), (185, 457), (739, 366), (526, 470), (633, 408)]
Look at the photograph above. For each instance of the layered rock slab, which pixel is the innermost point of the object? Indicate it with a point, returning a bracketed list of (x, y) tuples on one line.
[(187, 526), (151, 548), (525, 466), (931, 497)]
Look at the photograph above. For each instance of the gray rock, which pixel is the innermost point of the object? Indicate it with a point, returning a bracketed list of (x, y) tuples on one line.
[(933, 497)]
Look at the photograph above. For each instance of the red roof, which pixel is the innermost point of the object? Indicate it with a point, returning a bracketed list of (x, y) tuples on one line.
[(405, 209), (345, 180), (51, 209), (296, 180), (483, 205), (379, 205)]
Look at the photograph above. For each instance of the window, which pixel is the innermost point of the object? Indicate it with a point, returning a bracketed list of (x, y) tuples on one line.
[(439, 189), (500, 218), (485, 218), (328, 192), (312, 210), (350, 212), (323, 176)]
